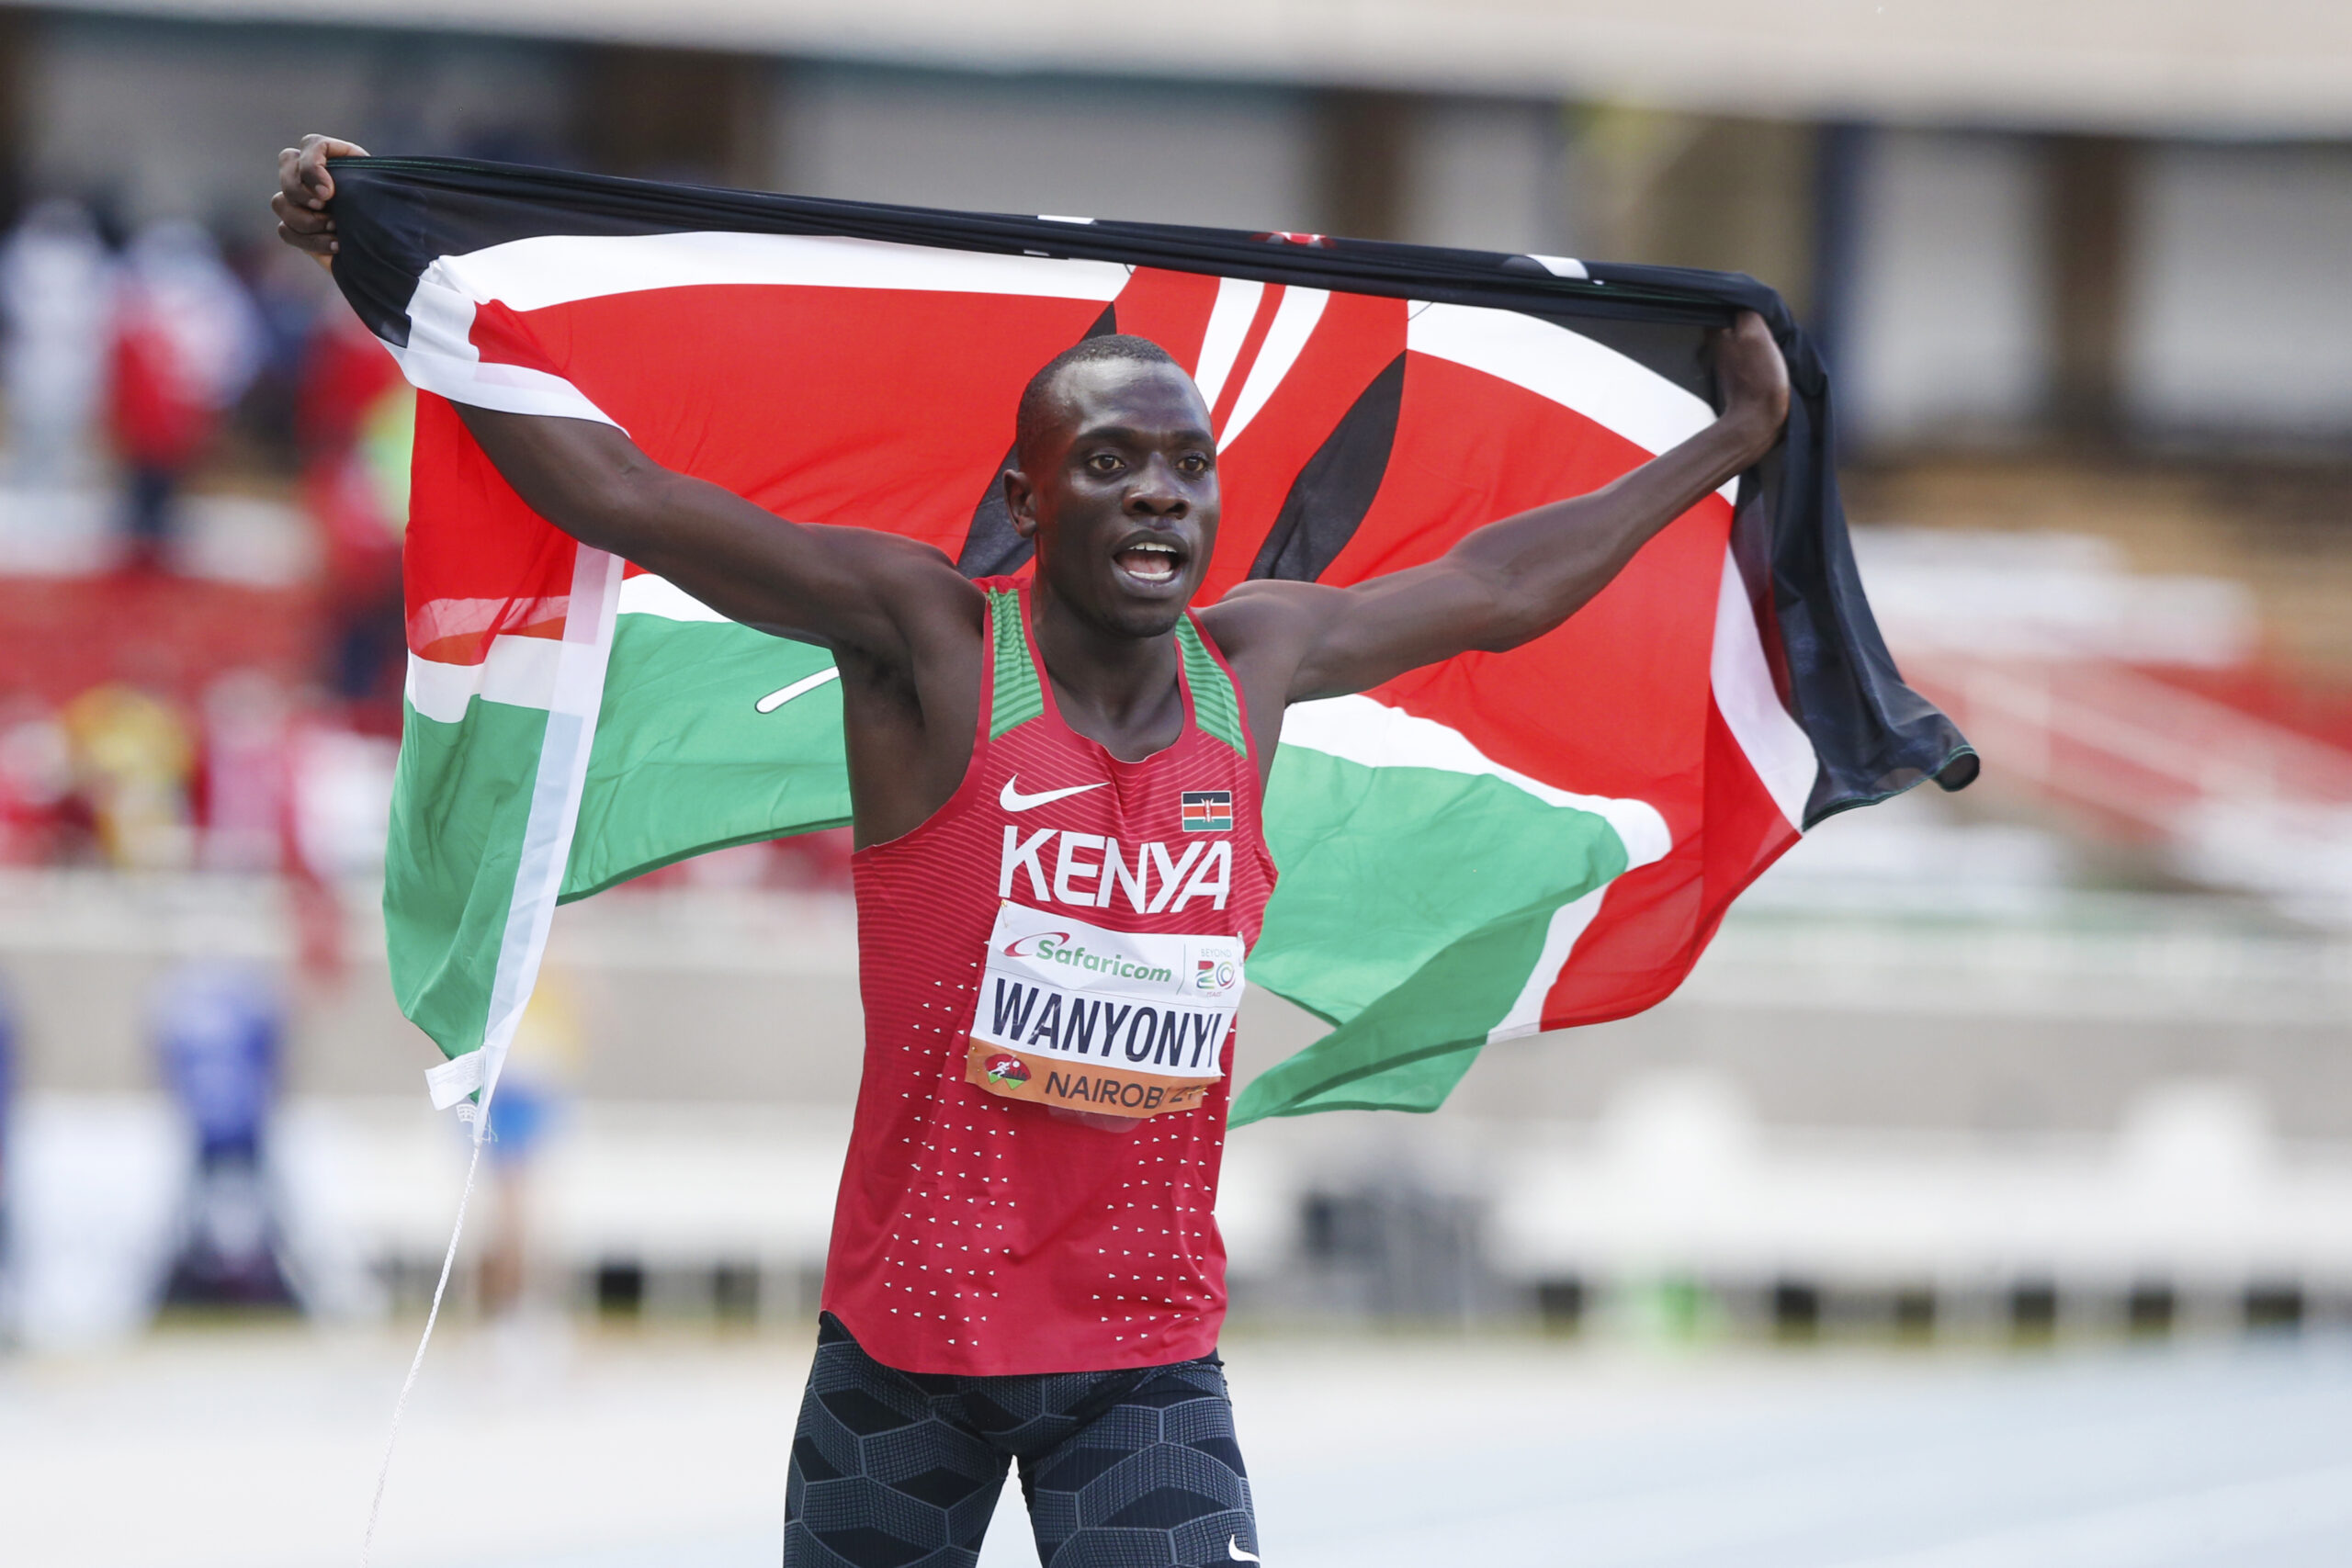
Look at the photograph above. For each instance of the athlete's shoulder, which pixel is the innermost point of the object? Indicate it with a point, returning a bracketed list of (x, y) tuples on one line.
[(920, 578), (1265, 616), (881, 549)]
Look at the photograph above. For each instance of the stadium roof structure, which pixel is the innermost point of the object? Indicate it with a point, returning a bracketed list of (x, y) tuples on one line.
[(2251, 67)]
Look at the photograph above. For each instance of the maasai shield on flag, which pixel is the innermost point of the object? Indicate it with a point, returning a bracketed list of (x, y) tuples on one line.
[(1484, 849)]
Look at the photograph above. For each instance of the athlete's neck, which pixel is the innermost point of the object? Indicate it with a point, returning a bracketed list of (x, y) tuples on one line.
[(1119, 691)]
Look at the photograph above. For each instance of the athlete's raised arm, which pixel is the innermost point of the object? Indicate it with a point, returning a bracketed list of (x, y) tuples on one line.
[(853, 590), (1514, 580)]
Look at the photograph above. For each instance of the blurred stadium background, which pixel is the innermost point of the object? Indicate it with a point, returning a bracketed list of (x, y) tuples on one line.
[(1986, 1196)]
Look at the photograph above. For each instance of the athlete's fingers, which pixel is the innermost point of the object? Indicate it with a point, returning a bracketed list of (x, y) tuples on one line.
[(324, 258), (1749, 368), (289, 173), (312, 185), (309, 231), (299, 218)]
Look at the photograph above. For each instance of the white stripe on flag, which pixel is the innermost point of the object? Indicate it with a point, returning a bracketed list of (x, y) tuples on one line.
[(646, 594), (1569, 922), (440, 358), (1776, 745), (1604, 386), (1286, 335), (519, 671), (1229, 319), (572, 709), (555, 269)]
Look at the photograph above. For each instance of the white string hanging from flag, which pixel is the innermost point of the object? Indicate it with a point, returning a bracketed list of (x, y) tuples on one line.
[(481, 1120)]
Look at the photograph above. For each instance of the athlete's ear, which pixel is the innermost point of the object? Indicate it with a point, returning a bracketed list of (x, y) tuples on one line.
[(1020, 502)]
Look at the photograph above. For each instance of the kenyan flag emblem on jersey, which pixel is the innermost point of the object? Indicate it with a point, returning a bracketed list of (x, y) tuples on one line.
[(1208, 810)]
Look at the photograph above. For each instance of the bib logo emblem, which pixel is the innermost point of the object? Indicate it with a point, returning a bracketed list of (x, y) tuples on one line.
[(1214, 975), (1007, 1069), (1208, 810)]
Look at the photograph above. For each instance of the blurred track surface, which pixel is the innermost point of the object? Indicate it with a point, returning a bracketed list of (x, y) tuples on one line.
[(257, 1449)]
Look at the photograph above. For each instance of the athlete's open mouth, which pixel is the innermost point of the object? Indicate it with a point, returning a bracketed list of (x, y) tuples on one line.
[(1154, 562)]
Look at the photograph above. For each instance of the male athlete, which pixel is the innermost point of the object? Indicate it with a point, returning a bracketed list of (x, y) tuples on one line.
[(1060, 867)]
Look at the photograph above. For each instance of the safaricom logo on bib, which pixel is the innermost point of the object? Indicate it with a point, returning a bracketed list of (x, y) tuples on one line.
[(1088, 870), (1055, 947)]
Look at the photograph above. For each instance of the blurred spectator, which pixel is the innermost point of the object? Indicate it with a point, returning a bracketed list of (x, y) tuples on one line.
[(807, 863), (343, 800), (217, 1030), (37, 819), (289, 294), (342, 804), (532, 1087), (358, 417), (131, 757), (55, 306), (187, 341), (245, 810), (816, 861)]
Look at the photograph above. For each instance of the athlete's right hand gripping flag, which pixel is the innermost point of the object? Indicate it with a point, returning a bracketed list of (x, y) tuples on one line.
[(1481, 850)]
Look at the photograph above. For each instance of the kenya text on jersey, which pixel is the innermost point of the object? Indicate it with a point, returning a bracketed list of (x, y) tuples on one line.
[(1088, 871)]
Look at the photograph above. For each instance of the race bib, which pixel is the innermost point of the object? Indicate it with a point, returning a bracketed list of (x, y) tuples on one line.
[(1121, 1023)]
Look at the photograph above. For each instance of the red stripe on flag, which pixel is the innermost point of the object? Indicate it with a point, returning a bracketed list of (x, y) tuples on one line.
[(476, 562), (504, 336), (1171, 308), (886, 409), (1655, 919)]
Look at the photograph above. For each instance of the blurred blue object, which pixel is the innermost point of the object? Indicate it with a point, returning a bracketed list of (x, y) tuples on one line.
[(8, 1076), (217, 1030), (521, 1114), (8, 1108)]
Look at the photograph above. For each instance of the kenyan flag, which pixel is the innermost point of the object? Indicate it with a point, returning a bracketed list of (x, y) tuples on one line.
[(1488, 847)]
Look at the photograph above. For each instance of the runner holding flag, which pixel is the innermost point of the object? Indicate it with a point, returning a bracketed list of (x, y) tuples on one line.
[(1061, 865)]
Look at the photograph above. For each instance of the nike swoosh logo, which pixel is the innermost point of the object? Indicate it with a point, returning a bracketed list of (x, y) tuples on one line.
[(1012, 799), (1233, 1550)]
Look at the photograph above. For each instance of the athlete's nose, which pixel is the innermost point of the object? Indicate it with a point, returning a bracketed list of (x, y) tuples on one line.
[(1156, 493)]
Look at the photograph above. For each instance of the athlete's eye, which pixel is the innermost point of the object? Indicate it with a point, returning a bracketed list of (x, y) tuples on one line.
[(1104, 463), (1194, 462)]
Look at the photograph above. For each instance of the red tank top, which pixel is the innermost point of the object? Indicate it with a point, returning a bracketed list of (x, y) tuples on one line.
[(1055, 953)]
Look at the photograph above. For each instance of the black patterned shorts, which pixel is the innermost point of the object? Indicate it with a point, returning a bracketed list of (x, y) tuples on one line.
[(1120, 1470)]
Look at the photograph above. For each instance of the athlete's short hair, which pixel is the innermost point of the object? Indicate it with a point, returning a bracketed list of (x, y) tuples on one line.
[(1037, 397)]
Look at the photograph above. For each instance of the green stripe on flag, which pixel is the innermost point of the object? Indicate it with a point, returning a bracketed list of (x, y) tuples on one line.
[(684, 762), (1450, 878), (461, 800)]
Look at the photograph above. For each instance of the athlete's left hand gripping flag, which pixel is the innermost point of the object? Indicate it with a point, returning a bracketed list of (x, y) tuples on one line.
[(1480, 850)]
